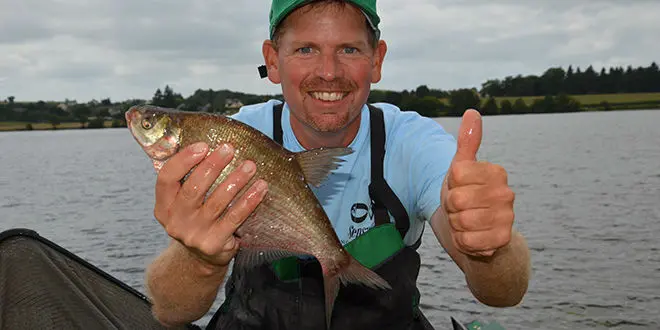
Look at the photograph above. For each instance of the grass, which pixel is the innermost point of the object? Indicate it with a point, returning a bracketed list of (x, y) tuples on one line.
[(19, 125)]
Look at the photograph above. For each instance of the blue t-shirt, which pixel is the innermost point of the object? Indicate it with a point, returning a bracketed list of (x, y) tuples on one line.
[(418, 154)]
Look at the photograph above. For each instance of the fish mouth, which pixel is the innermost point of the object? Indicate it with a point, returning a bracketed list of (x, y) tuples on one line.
[(129, 115), (132, 115)]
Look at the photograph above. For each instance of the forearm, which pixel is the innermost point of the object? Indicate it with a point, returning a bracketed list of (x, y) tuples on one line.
[(180, 286), (500, 280)]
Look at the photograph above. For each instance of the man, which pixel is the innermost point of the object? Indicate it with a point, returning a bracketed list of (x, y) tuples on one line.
[(406, 171)]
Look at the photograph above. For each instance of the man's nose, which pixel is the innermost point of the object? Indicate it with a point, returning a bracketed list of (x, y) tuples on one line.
[(329, 67)]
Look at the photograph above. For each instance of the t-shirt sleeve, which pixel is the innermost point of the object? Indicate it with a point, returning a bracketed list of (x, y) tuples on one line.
[(430, 150)]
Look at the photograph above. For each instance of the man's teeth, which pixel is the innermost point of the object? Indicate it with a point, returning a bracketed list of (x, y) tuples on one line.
[(328, 96)]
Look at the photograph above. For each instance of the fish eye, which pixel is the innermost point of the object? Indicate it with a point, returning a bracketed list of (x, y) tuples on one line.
[(146, 124)]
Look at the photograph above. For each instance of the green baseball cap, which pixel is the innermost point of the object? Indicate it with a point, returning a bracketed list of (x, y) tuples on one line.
[(279, 9)]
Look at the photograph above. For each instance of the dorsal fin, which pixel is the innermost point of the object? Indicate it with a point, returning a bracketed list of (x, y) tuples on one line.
[(317, 163)]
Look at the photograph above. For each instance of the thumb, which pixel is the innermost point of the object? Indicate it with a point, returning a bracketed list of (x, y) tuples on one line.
[(469, 136)]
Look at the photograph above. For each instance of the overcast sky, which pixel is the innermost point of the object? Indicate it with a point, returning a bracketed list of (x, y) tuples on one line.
[(92, 49)]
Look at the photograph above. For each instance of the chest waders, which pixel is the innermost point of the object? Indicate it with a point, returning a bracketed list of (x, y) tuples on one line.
[(288, 293)]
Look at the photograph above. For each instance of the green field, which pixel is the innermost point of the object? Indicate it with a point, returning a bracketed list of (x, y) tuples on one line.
[(594, 99), (18, 125)]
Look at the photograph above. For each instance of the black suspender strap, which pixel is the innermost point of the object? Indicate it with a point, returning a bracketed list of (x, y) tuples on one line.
[(277, 123), (382, 196)]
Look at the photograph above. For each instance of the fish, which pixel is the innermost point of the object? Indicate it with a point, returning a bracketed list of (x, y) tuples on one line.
[(289, 221)]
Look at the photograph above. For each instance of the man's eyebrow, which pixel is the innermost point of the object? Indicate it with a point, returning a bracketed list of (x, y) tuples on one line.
[(356, 43)]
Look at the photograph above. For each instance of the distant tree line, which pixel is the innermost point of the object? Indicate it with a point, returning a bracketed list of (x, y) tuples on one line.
[(556, 90), (436, 103), (555, 81), (206, 100)]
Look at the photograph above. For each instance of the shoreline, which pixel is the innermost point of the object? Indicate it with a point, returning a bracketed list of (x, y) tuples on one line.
[(18, 126)]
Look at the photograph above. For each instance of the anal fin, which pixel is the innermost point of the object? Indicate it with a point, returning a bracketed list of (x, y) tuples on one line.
[(317, 163), (247, 258)]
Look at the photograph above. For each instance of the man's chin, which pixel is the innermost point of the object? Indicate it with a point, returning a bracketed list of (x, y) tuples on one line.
[(328, 123)]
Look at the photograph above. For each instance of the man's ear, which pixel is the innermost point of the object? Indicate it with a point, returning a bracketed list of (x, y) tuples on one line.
[(379, 56), (270, 58)]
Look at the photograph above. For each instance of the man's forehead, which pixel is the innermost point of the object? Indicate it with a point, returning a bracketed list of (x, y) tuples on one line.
[(282, 9), (317, 14), (337, 29)]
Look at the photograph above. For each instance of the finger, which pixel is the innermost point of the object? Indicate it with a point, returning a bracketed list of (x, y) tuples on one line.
[(194, 190), (481, 242), (477, 197), (469, 137), (466, 198), (472, 220), (482, 219), (176, 168), (227, 190), (468, 173), (239, 211)]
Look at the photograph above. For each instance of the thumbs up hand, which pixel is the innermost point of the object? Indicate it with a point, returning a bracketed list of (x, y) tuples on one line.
[(475, 196)]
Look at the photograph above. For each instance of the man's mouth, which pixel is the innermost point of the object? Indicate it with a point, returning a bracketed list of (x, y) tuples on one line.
[(328, 96)]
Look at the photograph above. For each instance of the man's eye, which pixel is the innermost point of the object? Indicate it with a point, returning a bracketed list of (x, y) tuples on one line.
[(305, 50), (350, 50)]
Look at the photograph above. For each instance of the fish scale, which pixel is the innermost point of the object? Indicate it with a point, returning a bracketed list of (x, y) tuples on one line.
[(265, 153), (289, 221)]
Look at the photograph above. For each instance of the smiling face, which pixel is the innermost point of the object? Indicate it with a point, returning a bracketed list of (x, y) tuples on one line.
[(325, 60)]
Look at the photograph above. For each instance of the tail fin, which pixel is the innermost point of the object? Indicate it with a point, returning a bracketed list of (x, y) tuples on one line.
[(331, 287), (354, 273)]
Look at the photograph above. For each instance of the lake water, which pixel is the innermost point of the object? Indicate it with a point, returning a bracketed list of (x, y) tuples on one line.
[(588, 200)]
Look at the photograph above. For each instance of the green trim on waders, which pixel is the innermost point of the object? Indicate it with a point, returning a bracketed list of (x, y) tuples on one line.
[(370, 249), (376, 245), (286, 269)]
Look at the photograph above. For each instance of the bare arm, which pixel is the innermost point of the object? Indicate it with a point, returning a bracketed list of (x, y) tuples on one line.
[(499, 280), (182, 286), (474, 223), (184, 280)]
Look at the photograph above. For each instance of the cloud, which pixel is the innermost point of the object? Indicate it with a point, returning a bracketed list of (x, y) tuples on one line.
[(122, 49)]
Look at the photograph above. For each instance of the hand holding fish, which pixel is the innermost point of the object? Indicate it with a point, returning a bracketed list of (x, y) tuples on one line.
[(182, 211), (475, 196)]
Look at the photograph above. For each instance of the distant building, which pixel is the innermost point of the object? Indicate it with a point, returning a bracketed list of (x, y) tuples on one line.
[(114, 111), (233, 104)]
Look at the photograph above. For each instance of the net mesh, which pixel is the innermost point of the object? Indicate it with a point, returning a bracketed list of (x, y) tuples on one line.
[(42, 286)]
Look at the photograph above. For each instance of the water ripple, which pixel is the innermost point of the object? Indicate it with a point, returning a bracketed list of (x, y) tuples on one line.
[(586, 199)]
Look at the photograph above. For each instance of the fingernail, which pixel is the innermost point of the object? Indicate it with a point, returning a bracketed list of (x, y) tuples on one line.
[(198, 147), (260, 189), (224, 150), (248, 167), (261, 185)]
